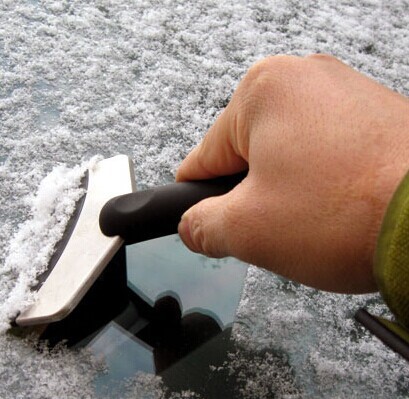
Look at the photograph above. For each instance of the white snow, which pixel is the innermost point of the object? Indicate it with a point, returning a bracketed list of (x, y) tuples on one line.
[(147, 79), (30, 249)]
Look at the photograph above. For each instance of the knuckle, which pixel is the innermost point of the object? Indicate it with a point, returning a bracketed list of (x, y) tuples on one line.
[(239, 230), (202, 154), (271, 78), (197, 234), (322, 57), (272, 65), (205, 238)]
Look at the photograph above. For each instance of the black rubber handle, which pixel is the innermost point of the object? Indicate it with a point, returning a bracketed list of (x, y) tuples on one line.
[(154, 213)]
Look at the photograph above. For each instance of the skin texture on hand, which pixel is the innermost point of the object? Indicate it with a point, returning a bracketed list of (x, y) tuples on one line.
[(325, 147)]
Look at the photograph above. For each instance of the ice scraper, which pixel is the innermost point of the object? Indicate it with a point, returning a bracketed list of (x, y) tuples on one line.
[(112, 213)]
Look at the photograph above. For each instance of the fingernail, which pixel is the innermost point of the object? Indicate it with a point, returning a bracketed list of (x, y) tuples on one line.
[(185, 233)]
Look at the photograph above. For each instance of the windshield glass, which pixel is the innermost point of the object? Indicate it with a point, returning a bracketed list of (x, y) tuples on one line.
[(147, 79), (180, 311)]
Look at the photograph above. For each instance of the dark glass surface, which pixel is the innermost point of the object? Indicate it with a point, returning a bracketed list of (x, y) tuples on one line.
[(160, 309)]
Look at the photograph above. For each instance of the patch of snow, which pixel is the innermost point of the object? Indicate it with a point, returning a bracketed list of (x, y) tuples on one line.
[(147, 79)]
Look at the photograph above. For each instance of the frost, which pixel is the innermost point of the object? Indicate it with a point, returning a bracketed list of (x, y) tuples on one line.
[(148, 386), (40, 373), (147, 79), (328, 353), (261, 376)]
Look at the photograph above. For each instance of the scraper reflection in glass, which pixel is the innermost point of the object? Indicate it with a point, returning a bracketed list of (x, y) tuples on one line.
[(176, 303)]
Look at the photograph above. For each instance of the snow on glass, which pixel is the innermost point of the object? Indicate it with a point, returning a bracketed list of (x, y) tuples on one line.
[(147, 79)]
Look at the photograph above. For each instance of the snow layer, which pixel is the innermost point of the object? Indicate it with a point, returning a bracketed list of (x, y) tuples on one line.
[(147, 79), (328, 354), (30, 249)]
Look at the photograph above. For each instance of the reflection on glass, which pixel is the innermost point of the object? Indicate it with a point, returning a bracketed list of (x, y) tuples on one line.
[(164, 267), (157, 308), (122, 353), (173, 336)]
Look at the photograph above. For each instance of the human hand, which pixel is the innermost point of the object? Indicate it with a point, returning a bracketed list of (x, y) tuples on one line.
[(325, 147)]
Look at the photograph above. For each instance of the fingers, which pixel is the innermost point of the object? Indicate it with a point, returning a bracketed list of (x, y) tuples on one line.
[(220, 153), (218, 226), (225, 148)]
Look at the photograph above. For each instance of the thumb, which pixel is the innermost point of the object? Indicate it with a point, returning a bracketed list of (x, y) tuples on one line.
[(216, 226)]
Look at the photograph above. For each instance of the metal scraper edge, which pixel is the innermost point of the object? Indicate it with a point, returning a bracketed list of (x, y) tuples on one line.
[(88, 250)]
